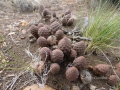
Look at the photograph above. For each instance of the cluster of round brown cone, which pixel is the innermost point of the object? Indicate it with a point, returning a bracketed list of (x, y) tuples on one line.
[(67, 19), (53, 35)]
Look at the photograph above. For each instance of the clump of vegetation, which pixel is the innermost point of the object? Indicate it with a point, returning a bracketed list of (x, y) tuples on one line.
[(103, 27)]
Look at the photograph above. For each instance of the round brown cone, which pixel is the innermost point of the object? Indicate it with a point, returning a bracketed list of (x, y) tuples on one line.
[(72, 73), (43, 31), (80, 63), (79, 47), (55, 26), (34, 31), (57, 56), (45, 53), (113, 80), (101, 69), (59, 34), (42, 42), (65, 45), (54, 68)]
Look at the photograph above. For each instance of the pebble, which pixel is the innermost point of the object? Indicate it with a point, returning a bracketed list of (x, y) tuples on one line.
[(92, 87), (24, 31), (32, 40), (22, 36), (86, 77), (55, 47)]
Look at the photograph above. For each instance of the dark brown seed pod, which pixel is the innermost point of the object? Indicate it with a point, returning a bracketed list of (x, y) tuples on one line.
[(34, 31), (43, 31), (53, 20), (64, 21), (80, 63), (72, 73), (113, 80), (54, 68), (57, 56), (45, 53), (54, 14), (41, 8), (70, 21), (42, 42), (52, 40), (45, 12), (73, 55), (59, 34), (65, 45), (79, 47), (101, 69), (117, 67), (67, 12), (55, 26), (40, 25)]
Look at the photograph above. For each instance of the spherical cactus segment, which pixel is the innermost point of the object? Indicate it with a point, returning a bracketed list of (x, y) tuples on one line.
[(42, 42), (80, 63), (54, 68), (43, 31), (34, 31), (57, 56), (102, 69), (59, 34), (72, 73), (45, 53), (55, 26), (65, 45), (79, 47)]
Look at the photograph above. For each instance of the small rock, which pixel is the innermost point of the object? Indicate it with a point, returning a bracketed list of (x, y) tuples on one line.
[(86, 77), (32, 87), (25, 23), (101, 88), (46, 87), (54, 47), (92, 87), (74, 87), (23, 31), (11, 33), (22, 36), (32, 40)]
